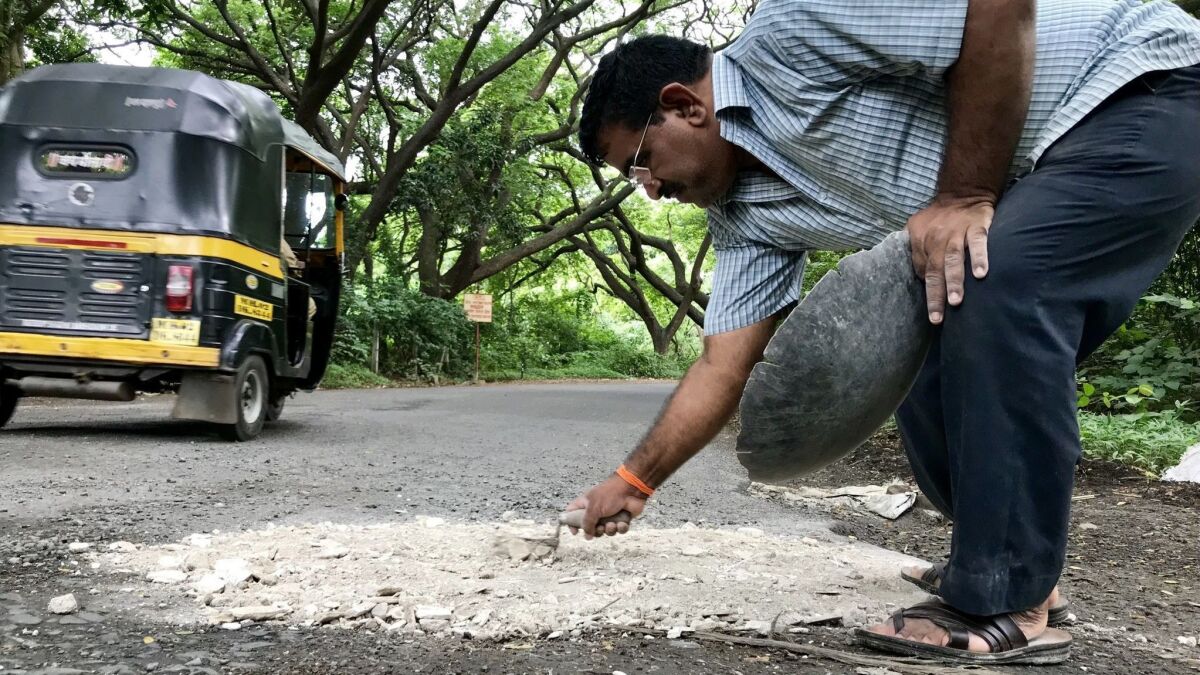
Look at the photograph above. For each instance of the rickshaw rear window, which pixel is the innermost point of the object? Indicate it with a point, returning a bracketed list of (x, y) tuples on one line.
[(93, 162)]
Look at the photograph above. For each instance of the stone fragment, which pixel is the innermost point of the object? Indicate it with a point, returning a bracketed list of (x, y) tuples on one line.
[(259, 612), (433, 612), (380, 610), (398, 614), (385, 591), (1187, 640), (78, 546), (760, 627), (123, 547), (482, 617), (358, 611), (231, 625), (328, 617), (692, 551), (210, 584), (1089, 526), (233, 570), (167, 576), (196, 560), (63, 604), (170, 562), (332, 552), (434, 625)]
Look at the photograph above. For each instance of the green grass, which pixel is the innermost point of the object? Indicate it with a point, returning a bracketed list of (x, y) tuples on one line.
[(1151, 442), (579, 372), (352, 376)]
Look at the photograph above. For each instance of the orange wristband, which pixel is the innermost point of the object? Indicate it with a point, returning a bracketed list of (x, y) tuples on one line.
[(628, 476)]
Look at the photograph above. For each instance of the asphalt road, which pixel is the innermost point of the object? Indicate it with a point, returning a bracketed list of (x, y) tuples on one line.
[(104, 472), (355, 456)]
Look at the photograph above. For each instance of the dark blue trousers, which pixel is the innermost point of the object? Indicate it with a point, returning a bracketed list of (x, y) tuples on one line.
[(990, 425)]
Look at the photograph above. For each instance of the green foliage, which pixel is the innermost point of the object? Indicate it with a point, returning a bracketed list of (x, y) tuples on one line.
[(820, 262), (1152, 442), (1182, 276), (546, 336), (352, 376), (420, 337), (1151, 364)]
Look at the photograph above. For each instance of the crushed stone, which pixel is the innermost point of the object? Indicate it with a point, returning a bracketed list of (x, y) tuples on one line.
[(450, 578)]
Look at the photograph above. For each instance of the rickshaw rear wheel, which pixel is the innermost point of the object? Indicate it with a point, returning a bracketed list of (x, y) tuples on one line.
[(9, 395), (275, 406), (252, 388)]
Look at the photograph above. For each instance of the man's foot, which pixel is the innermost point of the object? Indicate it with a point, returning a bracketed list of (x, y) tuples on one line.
[(935, 630), (1032, 623)]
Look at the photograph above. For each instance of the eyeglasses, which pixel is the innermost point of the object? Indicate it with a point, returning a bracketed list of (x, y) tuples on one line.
[(640, 175)]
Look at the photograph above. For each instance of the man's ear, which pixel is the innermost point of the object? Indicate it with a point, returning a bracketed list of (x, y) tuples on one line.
[(683, 101)]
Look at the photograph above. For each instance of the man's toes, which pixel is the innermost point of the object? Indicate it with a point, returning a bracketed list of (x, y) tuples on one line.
[(884, 628)]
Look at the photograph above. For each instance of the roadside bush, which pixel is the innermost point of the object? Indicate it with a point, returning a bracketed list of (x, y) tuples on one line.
[(352, 376), (1152, 442), (1151, 364), (420, 337)]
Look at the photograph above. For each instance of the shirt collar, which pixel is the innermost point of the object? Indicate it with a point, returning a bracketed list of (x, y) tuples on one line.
[(729, 91)]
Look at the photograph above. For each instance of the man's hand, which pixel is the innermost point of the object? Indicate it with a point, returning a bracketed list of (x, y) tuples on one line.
[(605, 500), (941, 236)]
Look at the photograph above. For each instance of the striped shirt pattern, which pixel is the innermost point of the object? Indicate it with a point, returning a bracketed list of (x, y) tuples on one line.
[(844, 100)]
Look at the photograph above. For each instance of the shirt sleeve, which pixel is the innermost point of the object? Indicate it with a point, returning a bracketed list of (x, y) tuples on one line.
[(847, 41), (751, 283)]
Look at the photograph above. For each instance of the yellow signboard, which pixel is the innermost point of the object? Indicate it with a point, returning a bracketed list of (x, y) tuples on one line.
[(253, 308), (175, 331), (478, 307)]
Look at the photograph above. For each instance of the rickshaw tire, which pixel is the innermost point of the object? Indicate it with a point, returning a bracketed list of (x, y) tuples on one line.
[(9, 396), (251, 373)]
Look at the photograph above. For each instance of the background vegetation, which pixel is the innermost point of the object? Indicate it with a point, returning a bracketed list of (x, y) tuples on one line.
[(457, 120)]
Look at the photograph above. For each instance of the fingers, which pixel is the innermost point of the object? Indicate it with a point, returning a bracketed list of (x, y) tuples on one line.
[(590, 518), (977, 237), (954, 271), (916, 244), (935, 282), (580, 502)]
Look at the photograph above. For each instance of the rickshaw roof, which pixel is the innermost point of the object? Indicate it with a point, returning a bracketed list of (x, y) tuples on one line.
[(188, 102)]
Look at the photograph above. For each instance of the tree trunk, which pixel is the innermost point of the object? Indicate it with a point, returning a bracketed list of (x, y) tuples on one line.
[(12, 54)]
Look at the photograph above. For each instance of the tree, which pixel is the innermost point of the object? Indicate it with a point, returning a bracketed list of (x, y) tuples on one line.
[(17, 17)]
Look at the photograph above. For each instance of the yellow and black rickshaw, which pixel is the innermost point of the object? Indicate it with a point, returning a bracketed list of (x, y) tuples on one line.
[(163, 231)]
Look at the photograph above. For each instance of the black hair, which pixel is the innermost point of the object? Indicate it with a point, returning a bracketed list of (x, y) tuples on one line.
[(626, 84)]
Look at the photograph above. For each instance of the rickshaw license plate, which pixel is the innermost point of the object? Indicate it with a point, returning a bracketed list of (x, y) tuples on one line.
[(175, 331)]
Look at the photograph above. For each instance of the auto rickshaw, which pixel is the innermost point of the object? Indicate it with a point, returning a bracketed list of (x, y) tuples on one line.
[(163, 231)]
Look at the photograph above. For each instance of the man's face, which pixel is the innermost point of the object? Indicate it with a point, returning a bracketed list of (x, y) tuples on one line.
[(686, 157)]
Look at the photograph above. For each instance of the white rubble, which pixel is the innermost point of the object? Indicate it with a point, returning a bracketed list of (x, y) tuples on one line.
[(78, 546), (449, 579), (233, 570), (167, 576), (63, 604), (209, 584)]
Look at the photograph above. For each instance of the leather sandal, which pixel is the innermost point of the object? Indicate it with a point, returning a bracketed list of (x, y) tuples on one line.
[(931, 579), (1006, 643)]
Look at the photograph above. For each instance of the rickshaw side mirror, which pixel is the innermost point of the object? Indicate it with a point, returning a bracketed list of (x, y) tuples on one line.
[(340, 201)]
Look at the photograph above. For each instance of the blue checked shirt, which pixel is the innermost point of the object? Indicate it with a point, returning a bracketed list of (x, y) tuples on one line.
[(845, 101)]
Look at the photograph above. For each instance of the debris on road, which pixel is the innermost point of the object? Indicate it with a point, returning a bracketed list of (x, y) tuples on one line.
[(889, 501), (416, 579), (63, 604)]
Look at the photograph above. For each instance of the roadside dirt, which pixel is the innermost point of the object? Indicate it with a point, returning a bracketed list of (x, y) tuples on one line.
[(1133, 573)]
